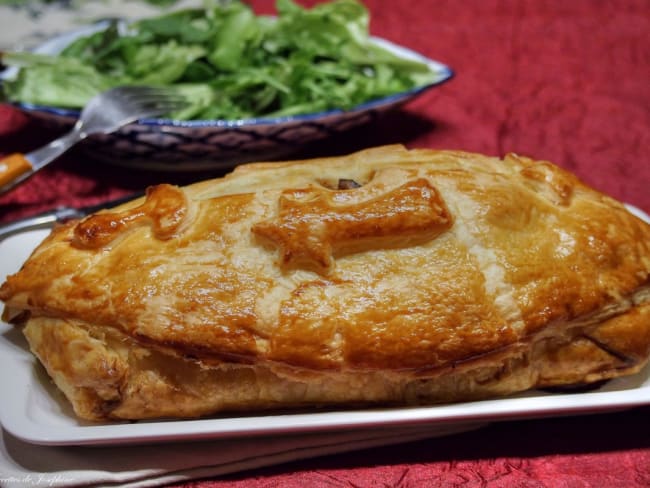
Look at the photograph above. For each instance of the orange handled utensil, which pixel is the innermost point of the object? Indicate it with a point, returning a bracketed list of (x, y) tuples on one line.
[(13, 168), (104, 114)]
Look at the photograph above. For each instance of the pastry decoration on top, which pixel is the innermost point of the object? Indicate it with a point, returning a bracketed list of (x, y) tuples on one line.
[(316, 223), (166, 209)]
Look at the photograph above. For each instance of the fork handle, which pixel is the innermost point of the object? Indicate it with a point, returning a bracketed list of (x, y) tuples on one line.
[(13, 169)]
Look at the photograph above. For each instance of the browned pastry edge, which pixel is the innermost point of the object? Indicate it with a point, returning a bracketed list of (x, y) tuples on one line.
[(118, 378), (532, 280)]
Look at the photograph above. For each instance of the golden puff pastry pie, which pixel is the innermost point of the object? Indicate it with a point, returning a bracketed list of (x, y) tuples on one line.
[(386, 277)]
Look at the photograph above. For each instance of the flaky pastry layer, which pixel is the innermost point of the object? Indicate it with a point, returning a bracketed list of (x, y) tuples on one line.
[(387, 276)]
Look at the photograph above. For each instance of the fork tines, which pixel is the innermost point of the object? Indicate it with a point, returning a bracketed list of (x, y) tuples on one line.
[(152, 100)]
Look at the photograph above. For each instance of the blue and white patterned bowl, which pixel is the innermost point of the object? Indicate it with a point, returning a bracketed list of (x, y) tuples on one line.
[(174, 145)]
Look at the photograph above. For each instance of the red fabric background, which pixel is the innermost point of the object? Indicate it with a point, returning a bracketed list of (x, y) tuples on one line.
[(566, 81)]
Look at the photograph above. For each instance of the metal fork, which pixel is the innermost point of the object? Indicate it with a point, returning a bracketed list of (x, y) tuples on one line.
[(105, 113)]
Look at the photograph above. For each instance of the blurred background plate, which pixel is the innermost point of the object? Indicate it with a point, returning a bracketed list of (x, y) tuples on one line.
[(174, 145)]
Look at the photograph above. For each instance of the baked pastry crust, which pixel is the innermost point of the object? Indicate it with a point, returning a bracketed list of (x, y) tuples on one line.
[(431, 276)]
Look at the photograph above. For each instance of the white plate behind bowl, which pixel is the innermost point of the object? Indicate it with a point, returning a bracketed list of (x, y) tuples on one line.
[(173, 145), (33, 410)]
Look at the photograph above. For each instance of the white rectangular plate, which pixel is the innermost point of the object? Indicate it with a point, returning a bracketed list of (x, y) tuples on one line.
[(33, 410)]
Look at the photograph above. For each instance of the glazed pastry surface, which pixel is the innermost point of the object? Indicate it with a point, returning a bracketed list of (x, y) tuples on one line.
[(386, 276)]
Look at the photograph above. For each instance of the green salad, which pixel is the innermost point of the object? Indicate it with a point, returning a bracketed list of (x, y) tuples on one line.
[(228, 62)]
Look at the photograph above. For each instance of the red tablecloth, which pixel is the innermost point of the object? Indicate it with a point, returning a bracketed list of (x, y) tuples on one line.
[(566, 81)]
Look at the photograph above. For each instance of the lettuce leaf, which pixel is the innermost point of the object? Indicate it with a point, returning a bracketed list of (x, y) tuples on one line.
[(228, 62)]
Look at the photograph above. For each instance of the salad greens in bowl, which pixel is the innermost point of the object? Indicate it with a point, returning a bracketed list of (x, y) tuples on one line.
[(256, 87)]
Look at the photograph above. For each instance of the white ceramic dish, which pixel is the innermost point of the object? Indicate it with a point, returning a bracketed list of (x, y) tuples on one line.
[(173, 145), (33, 410)]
